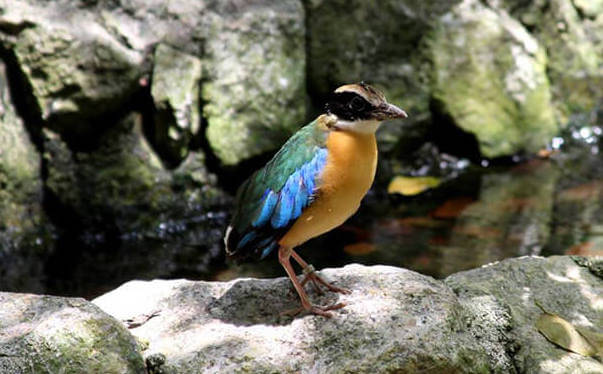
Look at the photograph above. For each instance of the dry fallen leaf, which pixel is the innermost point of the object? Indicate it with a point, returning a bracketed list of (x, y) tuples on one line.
[(594, 338), (562, 333), (410, 186), (452, 208), (358, 249)]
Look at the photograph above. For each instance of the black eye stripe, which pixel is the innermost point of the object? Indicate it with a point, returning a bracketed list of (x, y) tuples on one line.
[(349, 106)]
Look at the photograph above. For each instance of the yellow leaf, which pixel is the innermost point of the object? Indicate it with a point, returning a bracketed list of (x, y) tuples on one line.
[(564, 334), (410, 186), (594, 338)]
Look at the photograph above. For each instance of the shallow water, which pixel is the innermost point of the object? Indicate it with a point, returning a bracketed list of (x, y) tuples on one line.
[(480, 217), (542, 206)]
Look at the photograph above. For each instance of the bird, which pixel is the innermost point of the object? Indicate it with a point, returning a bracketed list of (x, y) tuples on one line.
[(313, 184)]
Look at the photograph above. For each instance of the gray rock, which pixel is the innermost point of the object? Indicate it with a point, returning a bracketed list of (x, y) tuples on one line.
[(389, 52), (394, 321), (557, 284), (45, 334), (74, 72), (175, 89), (25, 231), (489, 77), (571, 31), (255, 91)]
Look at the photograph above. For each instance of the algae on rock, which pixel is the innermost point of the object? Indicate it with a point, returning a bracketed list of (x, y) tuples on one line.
[(489, 77), (74, 72), (254, 90), (47, 334), (571, 31), (22, 218), (379, 42), (175, 89)]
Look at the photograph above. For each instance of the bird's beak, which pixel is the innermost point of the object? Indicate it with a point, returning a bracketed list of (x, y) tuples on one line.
[(389, 111)]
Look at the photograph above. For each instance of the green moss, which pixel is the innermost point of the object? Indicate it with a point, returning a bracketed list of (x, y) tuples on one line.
[(255, 89), (22, 219), (489, 76), (571, 33), (82, 76), (92, 345)]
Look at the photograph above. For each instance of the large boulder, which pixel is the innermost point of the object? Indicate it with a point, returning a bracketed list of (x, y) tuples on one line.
[(255, 90), (395, 320), (26, 234), (524, 289), (571, 31), (45, 334), (489, 78), (118, 176), (20, 170), (175, 91), (74, 72)]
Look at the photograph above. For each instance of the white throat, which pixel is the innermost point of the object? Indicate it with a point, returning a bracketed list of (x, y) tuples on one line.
[(361, 126)]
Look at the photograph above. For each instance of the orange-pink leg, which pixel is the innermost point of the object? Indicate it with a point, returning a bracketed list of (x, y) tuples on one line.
[(284, 255), (310, 275)]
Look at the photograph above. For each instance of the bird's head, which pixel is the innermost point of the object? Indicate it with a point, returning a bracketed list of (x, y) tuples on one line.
[(359, 107)]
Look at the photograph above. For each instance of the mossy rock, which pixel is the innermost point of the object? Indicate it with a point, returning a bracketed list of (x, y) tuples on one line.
[(489, 77), (381, 43), (571, 31), (45, 334), (254, 89), (176, 90), (74, 72), (22, 218)]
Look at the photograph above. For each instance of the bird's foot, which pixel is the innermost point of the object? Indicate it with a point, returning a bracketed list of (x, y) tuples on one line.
[(315, 309), (311, 276)]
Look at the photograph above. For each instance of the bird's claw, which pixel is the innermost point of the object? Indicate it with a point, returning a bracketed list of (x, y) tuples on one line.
[(316, 280), (315, 309)]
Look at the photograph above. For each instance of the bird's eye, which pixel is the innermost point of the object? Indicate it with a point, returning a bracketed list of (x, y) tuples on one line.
[(357, 104)]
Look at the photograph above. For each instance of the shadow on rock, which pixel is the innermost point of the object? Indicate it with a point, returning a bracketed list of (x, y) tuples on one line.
[(251, 301)]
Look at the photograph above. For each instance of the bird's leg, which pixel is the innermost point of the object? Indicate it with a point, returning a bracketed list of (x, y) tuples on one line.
[(283, 257), (310, 275)]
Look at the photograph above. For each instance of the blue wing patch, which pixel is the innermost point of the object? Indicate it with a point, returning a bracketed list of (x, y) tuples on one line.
[(268, 205), (278, 209)]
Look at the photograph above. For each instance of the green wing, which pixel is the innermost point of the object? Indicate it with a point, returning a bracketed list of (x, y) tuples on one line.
[(273, 197)]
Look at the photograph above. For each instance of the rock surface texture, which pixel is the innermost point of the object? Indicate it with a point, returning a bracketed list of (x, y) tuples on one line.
[(488, 69), (45, 334), (395, 320)]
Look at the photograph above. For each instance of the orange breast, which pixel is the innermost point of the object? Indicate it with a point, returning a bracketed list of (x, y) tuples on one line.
[(348, 175)]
